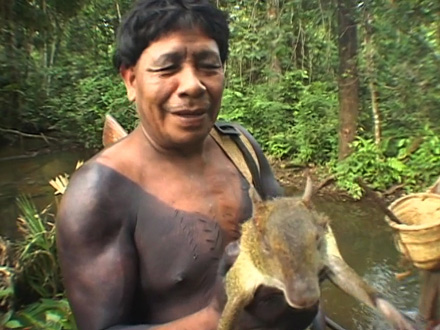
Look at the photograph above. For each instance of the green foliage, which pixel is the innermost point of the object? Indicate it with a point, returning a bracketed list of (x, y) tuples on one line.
[(417, 170), (35, 284), (281, 78), (290, 118), (406, 53), (50, 314), (369, 163), (425, 161), (268, 115), (84, 105), (315, 133), (7, 281), (37, 267)]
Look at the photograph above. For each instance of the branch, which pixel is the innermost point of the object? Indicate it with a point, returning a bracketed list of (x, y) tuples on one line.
[(435, 188), (393, 189), (325, 183), (35, 136), (380, 202)]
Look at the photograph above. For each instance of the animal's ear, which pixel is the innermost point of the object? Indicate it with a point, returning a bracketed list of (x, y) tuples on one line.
[(255, 197), (112, 131), (323, 221), (308, 191), (260, 212), (257, 206)]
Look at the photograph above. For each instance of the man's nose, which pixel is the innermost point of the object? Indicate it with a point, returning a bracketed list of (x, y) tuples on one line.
[(190, 83)]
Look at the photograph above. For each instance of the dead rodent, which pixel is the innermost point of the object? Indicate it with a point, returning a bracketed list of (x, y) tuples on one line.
[(289, 246)]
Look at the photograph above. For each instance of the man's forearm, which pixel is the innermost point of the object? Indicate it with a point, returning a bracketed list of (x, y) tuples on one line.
[(205, 319)]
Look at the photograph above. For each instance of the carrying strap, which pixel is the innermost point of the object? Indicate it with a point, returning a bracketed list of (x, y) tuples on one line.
[(241, 152)]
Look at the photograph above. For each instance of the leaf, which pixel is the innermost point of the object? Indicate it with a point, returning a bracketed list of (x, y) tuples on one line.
[(14, 324), (52, 316)]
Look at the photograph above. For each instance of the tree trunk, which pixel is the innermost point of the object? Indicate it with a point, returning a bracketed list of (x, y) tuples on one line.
[(371, 76), (273, 10), (11, 76), (348, 78), (118, 11), (438, 27)]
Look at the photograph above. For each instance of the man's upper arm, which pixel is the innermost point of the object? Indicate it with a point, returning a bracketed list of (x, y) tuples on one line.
[(96, 251)]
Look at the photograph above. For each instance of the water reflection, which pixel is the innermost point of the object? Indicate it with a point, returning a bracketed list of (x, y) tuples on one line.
[(364, 239), (23, 173)]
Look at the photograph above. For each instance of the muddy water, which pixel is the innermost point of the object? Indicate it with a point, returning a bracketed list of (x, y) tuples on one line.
[(366, 243), (27, 170), (364, 239)]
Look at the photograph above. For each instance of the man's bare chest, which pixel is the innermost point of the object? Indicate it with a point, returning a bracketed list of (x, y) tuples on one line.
[(179, 250), (217, 195)]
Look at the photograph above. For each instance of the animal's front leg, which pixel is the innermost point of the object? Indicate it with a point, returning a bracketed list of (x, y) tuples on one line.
[(349, 281), (231, 313), (240, 290)]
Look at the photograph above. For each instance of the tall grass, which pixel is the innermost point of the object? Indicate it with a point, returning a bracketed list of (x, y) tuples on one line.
[(31, 291)]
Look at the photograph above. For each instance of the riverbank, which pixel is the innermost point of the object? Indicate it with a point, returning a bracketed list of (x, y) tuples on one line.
[(293, 178)]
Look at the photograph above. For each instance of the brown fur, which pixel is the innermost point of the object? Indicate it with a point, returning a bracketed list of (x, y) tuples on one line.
[(287, 245)]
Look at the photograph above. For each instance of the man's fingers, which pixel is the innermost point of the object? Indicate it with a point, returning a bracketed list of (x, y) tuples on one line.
[(232, 250), (229, 256)]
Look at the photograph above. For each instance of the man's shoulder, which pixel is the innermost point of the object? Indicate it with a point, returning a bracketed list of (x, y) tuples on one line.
[(96, 192), (93, 176)]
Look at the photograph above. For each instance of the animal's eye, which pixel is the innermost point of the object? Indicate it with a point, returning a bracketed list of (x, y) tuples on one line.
[(319, 241), (265, 245)]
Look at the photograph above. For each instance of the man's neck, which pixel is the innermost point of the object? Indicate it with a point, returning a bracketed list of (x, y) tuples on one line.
[(193, 152)]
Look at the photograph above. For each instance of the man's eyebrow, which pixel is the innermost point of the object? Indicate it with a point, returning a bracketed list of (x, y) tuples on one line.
[(206, 55), (167, 58)]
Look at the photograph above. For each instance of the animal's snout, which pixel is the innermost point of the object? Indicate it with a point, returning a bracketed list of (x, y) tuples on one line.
[(303, 294)]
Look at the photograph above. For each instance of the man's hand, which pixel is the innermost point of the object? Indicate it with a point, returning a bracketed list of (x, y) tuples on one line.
[(230, 254), (269, 310)]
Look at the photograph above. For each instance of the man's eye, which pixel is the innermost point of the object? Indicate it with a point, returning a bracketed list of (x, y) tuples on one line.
[(167, 68), (210, 66)]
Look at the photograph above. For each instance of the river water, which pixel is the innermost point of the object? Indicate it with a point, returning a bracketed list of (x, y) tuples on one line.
[(364, 239)]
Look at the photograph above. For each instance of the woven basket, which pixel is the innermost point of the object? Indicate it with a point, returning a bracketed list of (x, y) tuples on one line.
[(418, 237)]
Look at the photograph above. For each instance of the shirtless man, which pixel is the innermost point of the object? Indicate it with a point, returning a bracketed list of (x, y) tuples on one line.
[(144, 224)]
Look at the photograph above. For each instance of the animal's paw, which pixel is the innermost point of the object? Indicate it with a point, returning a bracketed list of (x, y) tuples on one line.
[(396, 318), (230, 254)]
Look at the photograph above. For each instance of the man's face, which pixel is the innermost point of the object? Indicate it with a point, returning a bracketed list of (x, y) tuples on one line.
[(177, 84)]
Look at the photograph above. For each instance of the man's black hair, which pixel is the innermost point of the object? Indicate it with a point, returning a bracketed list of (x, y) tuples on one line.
[(149, 20)]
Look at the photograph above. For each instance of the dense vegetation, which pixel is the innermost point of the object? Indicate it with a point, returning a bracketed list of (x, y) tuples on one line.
[(348, 86), (314, 81)]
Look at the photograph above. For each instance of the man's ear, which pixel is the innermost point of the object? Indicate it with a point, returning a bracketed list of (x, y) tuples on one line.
[(129, 77)]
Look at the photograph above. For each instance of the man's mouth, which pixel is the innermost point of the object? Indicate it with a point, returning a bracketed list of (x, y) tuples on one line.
[(190, 118), (189, 113)]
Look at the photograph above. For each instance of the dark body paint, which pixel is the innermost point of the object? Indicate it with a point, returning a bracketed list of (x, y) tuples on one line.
[(180, 255), (174, 254)]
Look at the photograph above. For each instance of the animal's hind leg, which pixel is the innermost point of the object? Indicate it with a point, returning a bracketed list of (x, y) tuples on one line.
[(231, 314), (347, 280)]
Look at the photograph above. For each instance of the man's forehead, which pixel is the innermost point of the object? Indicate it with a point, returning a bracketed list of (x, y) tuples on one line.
[(183, 43)]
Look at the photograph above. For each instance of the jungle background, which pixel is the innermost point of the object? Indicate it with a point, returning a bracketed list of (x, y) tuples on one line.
[(349, 88)]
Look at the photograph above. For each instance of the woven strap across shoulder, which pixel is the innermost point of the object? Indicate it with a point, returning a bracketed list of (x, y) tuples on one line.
[(240, 151)]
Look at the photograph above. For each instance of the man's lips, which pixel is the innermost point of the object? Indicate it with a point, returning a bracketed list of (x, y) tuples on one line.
[(188, 113)]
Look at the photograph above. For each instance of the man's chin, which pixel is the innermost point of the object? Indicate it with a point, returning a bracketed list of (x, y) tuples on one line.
[(193, 122), (195, 125), (184, 137)]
